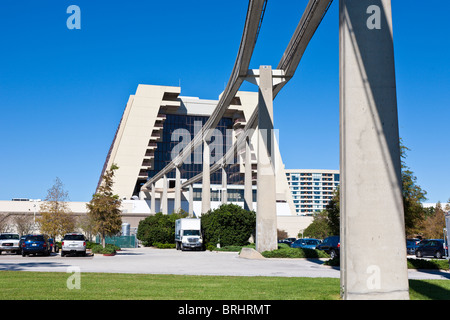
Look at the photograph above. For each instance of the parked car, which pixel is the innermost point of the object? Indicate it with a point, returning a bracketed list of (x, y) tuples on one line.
[(22, 239), (73, 243), (411, 245), (53, 245), (36, 243), (9, 242), (431, 247), (306, 243), (331, 245), (288, 241)]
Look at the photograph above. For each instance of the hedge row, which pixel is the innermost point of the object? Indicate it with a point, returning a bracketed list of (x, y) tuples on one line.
[(228, 225)]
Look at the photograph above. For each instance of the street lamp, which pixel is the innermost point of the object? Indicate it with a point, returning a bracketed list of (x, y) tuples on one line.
[(34, 211)]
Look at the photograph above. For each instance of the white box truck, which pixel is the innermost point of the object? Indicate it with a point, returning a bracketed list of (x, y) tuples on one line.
[(188, 234)]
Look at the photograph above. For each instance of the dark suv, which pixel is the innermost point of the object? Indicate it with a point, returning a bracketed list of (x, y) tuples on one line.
[(36, 243), (431, 247), (330, 245)]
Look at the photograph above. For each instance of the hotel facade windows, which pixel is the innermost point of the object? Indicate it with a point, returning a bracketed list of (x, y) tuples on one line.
[(312, 189)]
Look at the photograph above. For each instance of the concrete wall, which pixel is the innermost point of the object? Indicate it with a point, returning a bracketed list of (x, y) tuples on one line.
[(293, 225), (133, 135)]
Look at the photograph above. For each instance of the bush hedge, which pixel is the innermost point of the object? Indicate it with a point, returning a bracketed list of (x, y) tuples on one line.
[(108, 249), (295, 253), (159, 228), (441, 264), (228, 225), (160, 245)]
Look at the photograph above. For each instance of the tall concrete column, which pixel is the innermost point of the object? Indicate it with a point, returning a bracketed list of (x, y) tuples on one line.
[(177, 205), (191, 201), (164, 204), (224, 196), (248, 179), (206, 180), (373, 255), (266, 215), (153, 199)]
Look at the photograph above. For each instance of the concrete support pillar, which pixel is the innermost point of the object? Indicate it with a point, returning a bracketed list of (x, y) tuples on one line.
[(191, 201), (153, 199), (164, 204), (373, 255), (266, 215), (224, 196), (177, 205), (206, 180), (248, 189)]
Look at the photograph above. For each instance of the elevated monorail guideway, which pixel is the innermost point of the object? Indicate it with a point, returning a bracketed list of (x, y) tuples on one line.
[(309, 22), (255, 13)]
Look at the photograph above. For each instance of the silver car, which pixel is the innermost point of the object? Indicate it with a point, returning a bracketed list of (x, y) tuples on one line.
[(9, 242), (73, 243)]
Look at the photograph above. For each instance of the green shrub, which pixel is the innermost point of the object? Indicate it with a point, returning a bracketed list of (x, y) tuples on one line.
[(211, 247), (294, 253), (164, 245), (159, 228), (90, 245), (229, 225), (229, 249), (117, 248), (96, 248), (108, 249), (428, 264), (336, 262)]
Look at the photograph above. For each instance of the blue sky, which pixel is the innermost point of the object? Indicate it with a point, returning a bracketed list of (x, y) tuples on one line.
[(62, 92)]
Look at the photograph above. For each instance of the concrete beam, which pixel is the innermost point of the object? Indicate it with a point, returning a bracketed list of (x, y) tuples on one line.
[(164, 204), (153, 199), (191, 201), (248, 180), (373, 254), (177, 206), (224, 195), (266, 216), (206, 180)]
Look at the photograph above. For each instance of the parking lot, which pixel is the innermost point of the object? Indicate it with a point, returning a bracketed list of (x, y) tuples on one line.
[(171, 261)]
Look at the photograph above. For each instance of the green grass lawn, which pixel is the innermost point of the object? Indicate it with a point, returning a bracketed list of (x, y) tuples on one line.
[(19, 285)]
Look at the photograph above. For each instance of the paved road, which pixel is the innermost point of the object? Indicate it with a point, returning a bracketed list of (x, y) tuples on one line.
[(170, 261)]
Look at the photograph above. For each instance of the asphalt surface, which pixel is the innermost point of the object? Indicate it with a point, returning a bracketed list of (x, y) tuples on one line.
[(171, 261)]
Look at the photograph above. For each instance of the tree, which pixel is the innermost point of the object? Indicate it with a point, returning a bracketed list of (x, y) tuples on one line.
[(104, 208), (281, 234), (24, 224), (328, 221), (4, 222), (333, 211), (159, 228), (56, 218), (433, 225), (228, 225), (87, 224), (413, 196), (320, 227)]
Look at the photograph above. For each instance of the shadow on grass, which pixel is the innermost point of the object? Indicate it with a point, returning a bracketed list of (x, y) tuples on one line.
[(423, 289), (30, 264)]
